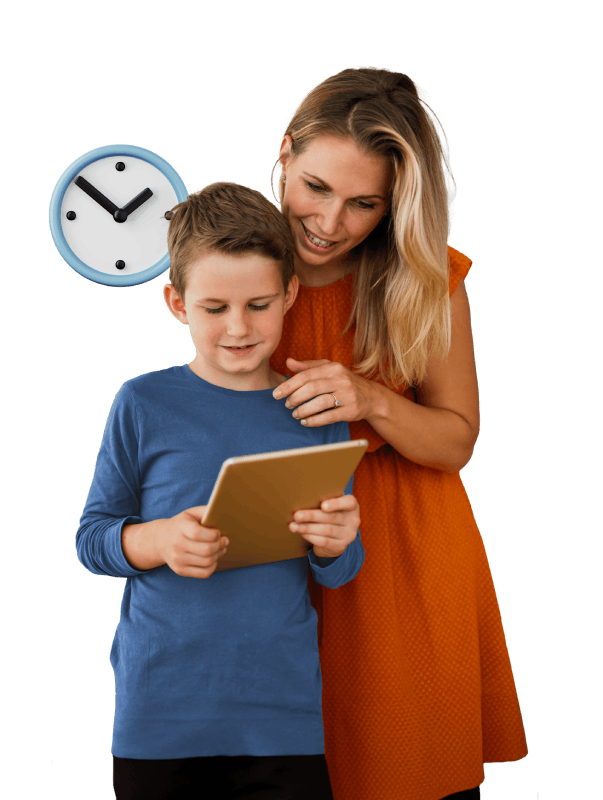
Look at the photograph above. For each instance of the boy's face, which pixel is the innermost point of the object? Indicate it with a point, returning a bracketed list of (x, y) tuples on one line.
[(234, 306)]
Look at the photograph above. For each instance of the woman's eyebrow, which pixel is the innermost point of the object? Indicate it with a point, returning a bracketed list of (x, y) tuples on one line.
[(358, 197)]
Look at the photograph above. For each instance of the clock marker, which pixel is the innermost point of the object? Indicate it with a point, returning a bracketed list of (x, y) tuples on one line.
[(120, 166), (120, 264), (70, 215)]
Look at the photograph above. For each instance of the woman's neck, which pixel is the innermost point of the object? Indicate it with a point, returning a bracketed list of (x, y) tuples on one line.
[(320, 275)]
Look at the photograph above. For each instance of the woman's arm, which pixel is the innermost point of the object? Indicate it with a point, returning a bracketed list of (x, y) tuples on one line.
[(441, 430)]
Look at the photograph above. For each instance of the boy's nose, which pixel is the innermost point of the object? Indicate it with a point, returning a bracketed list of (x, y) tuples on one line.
[(238, 326)]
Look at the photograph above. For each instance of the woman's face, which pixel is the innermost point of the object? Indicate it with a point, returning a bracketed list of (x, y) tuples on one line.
[(335, 194)]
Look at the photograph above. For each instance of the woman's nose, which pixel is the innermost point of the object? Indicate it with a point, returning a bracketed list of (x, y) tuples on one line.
[(329, 218)]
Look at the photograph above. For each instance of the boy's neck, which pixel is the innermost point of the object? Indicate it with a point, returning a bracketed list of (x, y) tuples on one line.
[(253, 382)]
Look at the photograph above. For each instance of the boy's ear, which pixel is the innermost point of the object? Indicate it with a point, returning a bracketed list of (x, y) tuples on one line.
[(175, 303), (291, 293)]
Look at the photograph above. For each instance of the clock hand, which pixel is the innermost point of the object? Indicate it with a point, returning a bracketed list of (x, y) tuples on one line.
[(93, 192), (137, 201)]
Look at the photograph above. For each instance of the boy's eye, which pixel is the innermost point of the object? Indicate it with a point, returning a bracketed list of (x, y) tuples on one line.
[(252, 306), (361, 203)]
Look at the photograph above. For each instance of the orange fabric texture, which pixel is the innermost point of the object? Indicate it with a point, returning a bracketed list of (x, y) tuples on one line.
[(418, 690)]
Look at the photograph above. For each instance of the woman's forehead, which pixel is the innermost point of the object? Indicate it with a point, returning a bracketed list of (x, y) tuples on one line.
[(344, 166)]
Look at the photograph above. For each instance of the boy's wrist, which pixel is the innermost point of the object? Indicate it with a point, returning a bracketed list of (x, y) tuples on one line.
[(141, 544), (320, 552)]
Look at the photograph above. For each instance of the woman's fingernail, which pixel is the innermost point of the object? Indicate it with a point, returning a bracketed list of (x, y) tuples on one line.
[(293, 526), (277, 393), (295, 414), (304, 422)]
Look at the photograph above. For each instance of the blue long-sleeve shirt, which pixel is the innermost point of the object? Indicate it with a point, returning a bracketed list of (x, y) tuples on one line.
[(226, 665)]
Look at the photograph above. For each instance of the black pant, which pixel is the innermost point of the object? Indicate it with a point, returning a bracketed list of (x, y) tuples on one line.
[(223, 778)]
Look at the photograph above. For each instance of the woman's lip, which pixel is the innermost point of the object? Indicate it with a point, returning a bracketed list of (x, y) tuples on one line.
[(331, 241), (315, 247)]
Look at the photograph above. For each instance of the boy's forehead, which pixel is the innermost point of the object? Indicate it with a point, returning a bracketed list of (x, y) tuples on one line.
[(210, 255), (216, 274)]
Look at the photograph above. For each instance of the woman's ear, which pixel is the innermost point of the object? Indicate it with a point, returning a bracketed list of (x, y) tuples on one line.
[(285, 150)]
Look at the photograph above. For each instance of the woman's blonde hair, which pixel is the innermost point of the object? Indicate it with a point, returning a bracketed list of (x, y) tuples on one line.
[(401, 306), (227, 218)]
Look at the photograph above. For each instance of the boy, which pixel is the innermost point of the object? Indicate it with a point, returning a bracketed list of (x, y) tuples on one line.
[(218, 687)]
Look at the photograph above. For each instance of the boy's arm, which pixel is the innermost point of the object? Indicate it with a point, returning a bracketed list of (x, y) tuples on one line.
[(114, 497), (334, 572)]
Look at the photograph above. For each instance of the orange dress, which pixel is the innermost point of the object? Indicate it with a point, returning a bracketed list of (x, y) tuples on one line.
[(418, 690)]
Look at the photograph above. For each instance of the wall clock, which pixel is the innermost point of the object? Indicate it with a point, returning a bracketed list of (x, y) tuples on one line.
[(107, 214)]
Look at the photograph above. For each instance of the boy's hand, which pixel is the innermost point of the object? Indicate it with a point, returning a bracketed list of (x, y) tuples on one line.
[(187, 547), (331, 528)]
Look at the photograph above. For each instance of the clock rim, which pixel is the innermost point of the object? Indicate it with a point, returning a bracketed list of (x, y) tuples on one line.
[(56, 201)]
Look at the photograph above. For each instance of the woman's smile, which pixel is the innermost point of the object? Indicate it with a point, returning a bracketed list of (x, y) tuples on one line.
[(318, 242), (315, 243)]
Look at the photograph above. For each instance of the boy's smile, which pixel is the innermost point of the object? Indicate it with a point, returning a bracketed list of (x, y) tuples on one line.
[(234, 306)]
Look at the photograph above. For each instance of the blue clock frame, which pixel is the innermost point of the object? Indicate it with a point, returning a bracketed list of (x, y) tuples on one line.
[(57, 199)]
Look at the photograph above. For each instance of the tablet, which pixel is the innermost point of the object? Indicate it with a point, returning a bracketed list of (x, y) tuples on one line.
[(254, 498)]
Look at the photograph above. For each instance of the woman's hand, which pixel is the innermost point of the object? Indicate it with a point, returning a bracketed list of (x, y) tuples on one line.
[(311, 391), (330, 528)]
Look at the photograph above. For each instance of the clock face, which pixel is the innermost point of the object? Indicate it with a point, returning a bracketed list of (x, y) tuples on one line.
[(107, 214)]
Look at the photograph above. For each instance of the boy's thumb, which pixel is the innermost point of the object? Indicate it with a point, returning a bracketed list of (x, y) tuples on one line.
[(198, 512)]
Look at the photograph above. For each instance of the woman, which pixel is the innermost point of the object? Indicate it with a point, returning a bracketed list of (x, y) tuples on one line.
[(417, 685)]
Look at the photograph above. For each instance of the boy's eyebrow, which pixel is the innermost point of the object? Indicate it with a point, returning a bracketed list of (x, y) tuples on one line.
[(358, 197), (252, 300)]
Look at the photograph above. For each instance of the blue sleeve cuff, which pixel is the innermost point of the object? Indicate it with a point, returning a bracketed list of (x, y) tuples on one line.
[(99, 547), (320, 562)]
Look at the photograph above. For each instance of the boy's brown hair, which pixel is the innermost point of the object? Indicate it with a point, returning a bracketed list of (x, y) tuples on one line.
[(227, 218)]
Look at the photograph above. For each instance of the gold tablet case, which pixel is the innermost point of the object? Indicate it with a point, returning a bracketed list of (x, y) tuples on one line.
[(254, 497)]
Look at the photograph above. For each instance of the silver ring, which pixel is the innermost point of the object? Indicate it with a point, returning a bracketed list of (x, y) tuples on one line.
[(336, 401)]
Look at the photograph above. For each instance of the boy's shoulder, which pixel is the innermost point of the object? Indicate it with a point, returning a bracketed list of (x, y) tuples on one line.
[(154, 381), (155, 376)]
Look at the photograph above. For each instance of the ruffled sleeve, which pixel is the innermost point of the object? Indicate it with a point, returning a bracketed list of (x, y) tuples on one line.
[(459, 267)]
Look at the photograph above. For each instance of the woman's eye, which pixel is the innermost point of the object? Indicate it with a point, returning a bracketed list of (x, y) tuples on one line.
[(365, 205), (316, 188), (252, 306)]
